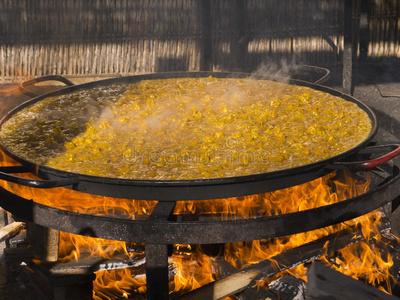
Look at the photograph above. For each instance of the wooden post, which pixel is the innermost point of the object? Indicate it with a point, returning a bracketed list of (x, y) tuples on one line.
[(240, 40), (350, 44), (206, 61), (364, 37), (45, 242)]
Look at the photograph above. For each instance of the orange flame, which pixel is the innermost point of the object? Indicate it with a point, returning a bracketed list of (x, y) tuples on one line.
[(193, 268), (192, 271), (115, 284), (78, 202), (313, 194)]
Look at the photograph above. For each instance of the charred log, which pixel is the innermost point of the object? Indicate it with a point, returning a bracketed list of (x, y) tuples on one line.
[(240, 279), (325, 283)]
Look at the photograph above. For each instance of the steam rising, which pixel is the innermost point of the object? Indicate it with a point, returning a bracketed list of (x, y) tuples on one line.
[(165, 117)]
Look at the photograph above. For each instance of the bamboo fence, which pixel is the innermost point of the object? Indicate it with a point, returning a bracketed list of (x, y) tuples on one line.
[(124, 37)]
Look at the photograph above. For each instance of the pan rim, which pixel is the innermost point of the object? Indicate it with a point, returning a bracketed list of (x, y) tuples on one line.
[(45, 172)]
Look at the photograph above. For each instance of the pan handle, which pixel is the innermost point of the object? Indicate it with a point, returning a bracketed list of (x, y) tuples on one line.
[(41, 79), (322, 73), (369, 164), (33, 183), (309, 73)]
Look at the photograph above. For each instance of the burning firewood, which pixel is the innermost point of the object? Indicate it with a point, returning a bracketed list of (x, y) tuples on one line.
[(10, 230), (324, 283), (240, 279)]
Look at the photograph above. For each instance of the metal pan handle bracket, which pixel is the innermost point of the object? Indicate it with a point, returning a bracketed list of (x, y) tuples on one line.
[(323, 73), (24, 84), (369, 164), (319, 74), (33, 183)]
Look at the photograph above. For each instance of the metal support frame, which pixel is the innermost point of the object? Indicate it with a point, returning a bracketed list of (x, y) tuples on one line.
[(164, 232), (157, 257), (157, 272)]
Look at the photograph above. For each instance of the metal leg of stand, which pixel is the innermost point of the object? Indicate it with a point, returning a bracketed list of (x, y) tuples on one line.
[(157, 272), (157, 257)]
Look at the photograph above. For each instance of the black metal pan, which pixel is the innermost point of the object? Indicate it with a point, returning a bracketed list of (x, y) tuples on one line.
[(197, 189)]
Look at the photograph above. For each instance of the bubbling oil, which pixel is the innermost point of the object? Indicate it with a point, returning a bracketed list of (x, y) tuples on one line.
[(192, 128)]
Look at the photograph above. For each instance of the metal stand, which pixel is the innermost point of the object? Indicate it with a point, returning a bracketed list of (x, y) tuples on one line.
[(157, 257), (157, 272)]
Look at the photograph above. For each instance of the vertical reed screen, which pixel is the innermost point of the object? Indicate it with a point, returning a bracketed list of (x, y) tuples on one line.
[(104, 37)]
